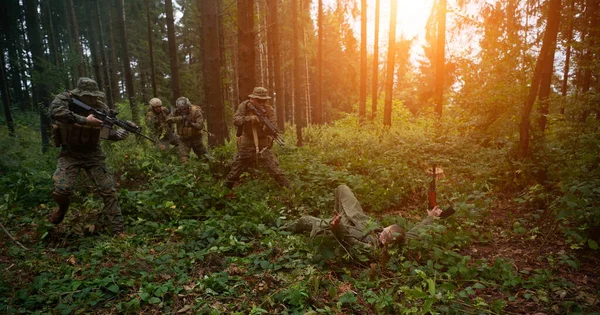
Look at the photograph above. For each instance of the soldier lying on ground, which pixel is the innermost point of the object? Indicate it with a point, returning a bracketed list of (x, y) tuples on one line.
[(349, 224)]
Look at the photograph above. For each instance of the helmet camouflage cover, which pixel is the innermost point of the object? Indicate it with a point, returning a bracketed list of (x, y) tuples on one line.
[(155, 102), (182, 103)]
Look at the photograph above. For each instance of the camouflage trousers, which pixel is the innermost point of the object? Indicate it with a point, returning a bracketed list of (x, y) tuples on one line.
[(66, 174), (186, 145), (246, 156)]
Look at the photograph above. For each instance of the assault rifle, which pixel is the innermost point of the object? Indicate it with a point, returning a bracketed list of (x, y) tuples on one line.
[(271, 129), (432, 195), (109, 120)]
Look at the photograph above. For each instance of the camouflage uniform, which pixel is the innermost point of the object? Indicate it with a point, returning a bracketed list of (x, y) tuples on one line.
[(80, 145), (156, 120), (354, 223), (247, 154), (189, 121)]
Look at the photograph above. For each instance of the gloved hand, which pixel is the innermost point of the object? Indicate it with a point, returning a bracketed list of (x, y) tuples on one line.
[(175, 119), (121, 134)]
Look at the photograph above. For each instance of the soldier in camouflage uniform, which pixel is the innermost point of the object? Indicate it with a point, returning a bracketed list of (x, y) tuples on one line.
[(156, 120), (189, 121), (255, 144), (79, 139), (352, 226)]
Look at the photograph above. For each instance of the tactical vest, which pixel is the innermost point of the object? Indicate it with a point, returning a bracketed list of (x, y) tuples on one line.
[(187, 131), (76, 135)]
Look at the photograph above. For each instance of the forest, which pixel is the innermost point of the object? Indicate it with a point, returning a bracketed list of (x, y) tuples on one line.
[(490, 108)]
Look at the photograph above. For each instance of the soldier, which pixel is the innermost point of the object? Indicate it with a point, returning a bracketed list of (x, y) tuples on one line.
[(79, 139), (349, 224), (189, 121), (254, 143), (156, 120)]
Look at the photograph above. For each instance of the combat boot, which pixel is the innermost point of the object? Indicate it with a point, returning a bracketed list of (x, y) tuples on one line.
[(61, 208)]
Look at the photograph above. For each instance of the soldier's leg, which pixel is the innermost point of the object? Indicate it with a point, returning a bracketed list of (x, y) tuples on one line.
[(269, 160), (348, 206), (63, 179), (199, 148), (184, 150), (304, 224), (105, 187), (242, 160)]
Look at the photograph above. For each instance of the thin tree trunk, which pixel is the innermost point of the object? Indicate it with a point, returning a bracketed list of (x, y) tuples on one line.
[(391, 65), (362, 106), (440, 60), (569, 35), (93, 42), (151, 50), (547, 52), (106, 68), (298, 108), (80, 65), (175, 86), (11, 11), (375, 79), (114, 67), (135, 112), (212, 73), (274, 35), (4, 91), (319, 105), (246, 52)]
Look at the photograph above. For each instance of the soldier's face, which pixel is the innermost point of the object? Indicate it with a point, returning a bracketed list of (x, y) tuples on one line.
[(261, 101), (89, 99), (156, 109)]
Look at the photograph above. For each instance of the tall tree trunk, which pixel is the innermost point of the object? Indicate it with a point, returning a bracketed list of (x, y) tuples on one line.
[(4, 91), (40, 92), (93, 42), (440, 59), (298, 108), (565, 80), (212, 73), (114, 67), (10, 12), (151, 50), (391, 65), (71, 40), (106, 67), (319, 104), (246, 52), (274, 35), (547, 52), (80, 65), (175, 86), (135, 111), (362, 106), (375, 82), (548, 68)]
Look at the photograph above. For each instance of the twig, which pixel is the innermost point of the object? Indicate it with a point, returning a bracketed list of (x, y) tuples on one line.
[(12, 238)]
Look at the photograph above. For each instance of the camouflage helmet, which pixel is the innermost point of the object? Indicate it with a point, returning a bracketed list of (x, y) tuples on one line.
[(155, 102), (260, 93), (182, 103), (87, 86)]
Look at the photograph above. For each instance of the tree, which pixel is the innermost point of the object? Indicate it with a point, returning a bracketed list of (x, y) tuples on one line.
[(276, 56), (440, 58), (172, 50), (375, 83), (545, 57), (151, 50), (298, 108), (77, 41), (114, 67), (135, 111), (389, 83), (4, 91), (40, 93), (319, 105), (106, 72), (246, 52), (363, 60), (212, 73)]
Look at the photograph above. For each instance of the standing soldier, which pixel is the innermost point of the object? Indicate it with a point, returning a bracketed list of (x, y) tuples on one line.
[(254, 143), (79, 137), (156, 120), (189, 121)]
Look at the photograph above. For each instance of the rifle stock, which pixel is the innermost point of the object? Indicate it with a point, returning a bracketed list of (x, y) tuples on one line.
[(270, 128)]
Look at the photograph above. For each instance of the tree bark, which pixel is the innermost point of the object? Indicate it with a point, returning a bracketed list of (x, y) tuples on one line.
[(4, 91), (547, 51), (114, 66), (135, 112), (319, 104), (362, 106), (278, 100), (298, 108), (175, 86), (80, 65), (246, 52), (440, 60), (106, 68), (151, 50), (93, 42), (375, 79), (40, 93), (212, 73), (565, 80), (391, 65)]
